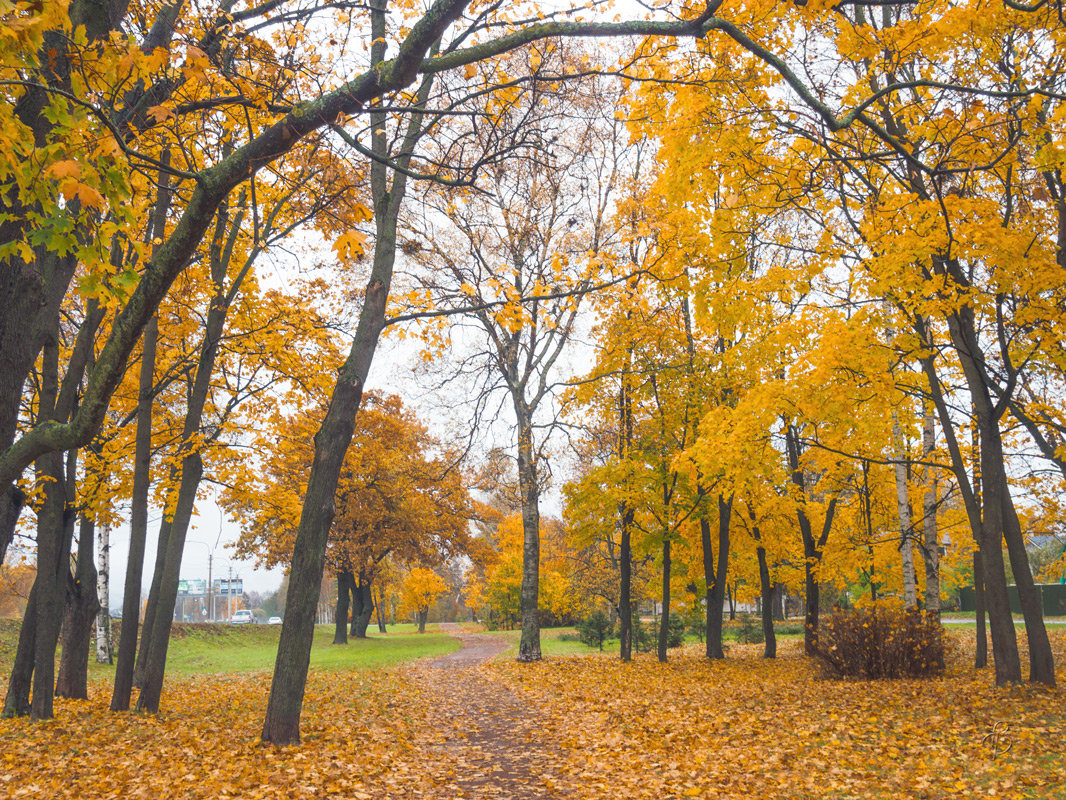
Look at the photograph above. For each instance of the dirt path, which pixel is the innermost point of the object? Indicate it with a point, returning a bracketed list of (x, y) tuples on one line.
[(493, 742)]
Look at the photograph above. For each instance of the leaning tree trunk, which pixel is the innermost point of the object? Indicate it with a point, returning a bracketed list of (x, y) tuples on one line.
[(340, 616), (378, 600), (129, 671), (282, 723), (158, 638), (17, 701), (81, 609)]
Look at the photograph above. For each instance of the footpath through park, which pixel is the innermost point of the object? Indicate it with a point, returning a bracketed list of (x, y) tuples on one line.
[(493, 742)]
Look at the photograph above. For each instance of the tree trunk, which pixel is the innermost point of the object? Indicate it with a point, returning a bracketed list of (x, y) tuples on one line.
[(981, 654), (363, 607), (127, 672), (664, 621), (423, 615), (903, 509), (378, 600), (17, 701), (104, 654), (282, 723), (81, 609), (1000, 519), (529, 645), (766, 594), (340, 616), (625, 520), (158, 638), (930, 539), (715, 574)]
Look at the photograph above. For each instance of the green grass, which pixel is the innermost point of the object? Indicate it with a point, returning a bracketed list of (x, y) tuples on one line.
[(550, 643), (220, 648)]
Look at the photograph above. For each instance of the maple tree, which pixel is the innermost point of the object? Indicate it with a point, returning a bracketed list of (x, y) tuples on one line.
[(400, 500), (925, 188), (419, 589)]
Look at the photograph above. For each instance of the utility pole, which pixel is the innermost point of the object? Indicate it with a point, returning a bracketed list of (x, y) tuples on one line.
[(210, 589)]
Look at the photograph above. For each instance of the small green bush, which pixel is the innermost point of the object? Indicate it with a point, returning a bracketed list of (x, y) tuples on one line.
[(695, 623), (643, 636), (750, 630), (881, 642), (595, 629), (675, 631)]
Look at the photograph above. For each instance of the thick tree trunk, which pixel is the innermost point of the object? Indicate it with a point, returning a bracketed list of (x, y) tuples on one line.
[(17, 701), (423, 615), (1000, 520), (664, 620), (158, 638), (282, 723), (981, 654), (766, 595), (340, 615), (362, 607), (81, 609)]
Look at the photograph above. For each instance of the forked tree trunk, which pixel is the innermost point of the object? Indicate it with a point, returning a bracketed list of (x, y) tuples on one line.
[(81, 609), (129, 669), (362, 607), (158, 638)]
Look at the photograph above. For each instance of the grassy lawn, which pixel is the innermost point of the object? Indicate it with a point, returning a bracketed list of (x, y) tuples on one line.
[(564, 642), (219, 648)]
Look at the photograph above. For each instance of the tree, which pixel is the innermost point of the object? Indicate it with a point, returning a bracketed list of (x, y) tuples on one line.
[(420, 589)]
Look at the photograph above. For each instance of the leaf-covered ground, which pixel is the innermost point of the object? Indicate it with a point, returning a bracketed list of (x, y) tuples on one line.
[(576, 727)]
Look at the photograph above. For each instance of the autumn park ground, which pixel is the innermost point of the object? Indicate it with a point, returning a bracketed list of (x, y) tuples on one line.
[(447, 716)]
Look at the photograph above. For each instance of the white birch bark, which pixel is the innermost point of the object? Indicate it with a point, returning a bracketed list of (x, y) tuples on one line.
[(103, 589)]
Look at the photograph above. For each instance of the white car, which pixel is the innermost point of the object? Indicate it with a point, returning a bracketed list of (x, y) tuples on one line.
[(242, 617), (274, 621)]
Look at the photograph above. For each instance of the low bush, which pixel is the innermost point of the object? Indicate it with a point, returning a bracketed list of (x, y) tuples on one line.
[(750, 630), (595, 629), (881, 642), (675, 631)]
